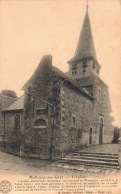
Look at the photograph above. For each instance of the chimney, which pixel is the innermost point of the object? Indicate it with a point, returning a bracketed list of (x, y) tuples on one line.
[(47, 60)]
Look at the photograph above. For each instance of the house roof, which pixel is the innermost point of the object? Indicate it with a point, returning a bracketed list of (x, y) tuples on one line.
[(73, 82), (6, 101), (42, 69), (86, 81), (17, 105), (89, 81)]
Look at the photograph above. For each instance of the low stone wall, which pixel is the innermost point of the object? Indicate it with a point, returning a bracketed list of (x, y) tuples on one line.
[(10, 147)]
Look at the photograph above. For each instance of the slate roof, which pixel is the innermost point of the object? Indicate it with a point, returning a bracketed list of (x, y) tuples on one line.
[(5, 101), (85, 47), (86, 81), (73, 82), (42, 69), (45, 70), (17, 105), (89, 81)]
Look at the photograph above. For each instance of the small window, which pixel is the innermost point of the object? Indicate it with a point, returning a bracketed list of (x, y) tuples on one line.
[(74, 66), (63, 118), (79, 133), (94, 66), (84, 70), (74, 72), (40, 123), (99, 94), (17, 122), (84, 64), (28, 97), (74, 120), (101, 121)]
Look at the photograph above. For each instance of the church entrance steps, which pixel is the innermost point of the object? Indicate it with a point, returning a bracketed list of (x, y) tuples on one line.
[(94, 154), (92, 159), (107, 159)]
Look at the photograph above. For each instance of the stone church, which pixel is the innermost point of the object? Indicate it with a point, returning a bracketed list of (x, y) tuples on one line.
[(60, 112)]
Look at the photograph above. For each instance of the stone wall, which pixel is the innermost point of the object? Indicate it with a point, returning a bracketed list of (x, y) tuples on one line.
[(43, 104), (37, 139), (102, 110), (12, 137), (87, 115), (5, 101), (74, 105), (9, 120)]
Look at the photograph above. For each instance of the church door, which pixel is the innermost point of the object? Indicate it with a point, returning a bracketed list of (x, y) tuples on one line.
[(101, 132), (90, 136)]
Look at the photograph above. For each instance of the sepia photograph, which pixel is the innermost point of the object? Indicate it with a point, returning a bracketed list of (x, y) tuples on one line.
[(60, 96)]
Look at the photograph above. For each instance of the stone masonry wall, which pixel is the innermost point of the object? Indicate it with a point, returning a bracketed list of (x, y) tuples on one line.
[(74, 104), (42, 142), (5, 101), (102, 109), (12, 137)]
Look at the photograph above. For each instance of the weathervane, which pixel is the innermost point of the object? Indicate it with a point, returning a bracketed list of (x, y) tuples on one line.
[(87, 5)]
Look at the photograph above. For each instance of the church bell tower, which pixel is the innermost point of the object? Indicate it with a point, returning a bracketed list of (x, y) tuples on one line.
[(84, 63)]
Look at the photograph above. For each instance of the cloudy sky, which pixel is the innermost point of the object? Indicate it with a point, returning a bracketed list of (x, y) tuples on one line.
[(32, 28)]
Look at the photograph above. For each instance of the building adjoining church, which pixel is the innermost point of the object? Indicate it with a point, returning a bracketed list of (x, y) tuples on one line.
[(60, 112)]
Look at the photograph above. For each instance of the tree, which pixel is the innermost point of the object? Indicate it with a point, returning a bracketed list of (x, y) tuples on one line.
[(9, 93)]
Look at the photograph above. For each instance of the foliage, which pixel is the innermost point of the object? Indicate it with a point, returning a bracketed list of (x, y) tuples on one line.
[(9, 93)]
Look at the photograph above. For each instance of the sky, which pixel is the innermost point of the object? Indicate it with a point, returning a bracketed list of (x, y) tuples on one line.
[(30, 29)]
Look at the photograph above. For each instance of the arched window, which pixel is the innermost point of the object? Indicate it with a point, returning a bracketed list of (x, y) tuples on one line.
[(17, 122), (40, 123)]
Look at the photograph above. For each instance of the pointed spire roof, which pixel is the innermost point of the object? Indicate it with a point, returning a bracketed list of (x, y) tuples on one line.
[(85, 47)]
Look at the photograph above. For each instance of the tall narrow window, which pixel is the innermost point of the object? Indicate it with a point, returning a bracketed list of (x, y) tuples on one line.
[(101, 131), (17, 122), (73, 120), (90, 136), (74, 69), (84, 66), (99, 94), (28, 97), (79, 133)]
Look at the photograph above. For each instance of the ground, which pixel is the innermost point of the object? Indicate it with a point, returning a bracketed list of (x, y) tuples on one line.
[(14, 164), (103, 148)]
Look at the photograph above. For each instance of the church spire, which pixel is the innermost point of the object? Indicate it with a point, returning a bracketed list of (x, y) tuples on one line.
[(85, 47), (84, 63), (87, 5)]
